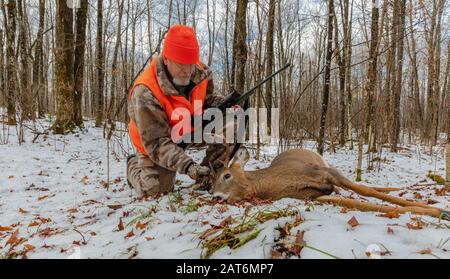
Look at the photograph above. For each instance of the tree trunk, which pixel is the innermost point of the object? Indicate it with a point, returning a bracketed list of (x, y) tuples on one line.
[(11, 83), (326, 86), (26, 100), (64, 83), (80, 47), (348, 43), (99, 66), (341, 60), (239, 46), (270, 60), (114, 67), (395, 105), (38, 65), (372, 76)]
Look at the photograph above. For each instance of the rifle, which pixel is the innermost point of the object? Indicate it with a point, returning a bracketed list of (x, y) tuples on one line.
[(235, 98)]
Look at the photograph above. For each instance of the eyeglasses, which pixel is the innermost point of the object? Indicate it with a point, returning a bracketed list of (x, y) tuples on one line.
[(182, 66)]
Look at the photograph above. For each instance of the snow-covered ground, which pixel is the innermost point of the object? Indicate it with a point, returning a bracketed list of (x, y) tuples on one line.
[(54, 204)]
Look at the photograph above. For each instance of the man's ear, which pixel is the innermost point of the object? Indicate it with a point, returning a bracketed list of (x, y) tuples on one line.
[(241, 158)]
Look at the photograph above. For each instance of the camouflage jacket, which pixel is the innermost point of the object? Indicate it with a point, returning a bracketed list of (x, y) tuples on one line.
[(151, 120)]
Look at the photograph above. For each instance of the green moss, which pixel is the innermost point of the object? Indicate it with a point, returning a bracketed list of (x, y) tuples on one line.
[(436, 178), (358, 175)]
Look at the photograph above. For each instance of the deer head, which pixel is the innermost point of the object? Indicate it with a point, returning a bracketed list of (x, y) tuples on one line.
[(231, 183)]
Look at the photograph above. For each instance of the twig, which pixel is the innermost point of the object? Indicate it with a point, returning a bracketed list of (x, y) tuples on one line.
[(84, 240)]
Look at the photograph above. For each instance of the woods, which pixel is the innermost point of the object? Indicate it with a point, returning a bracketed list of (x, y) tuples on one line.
[(359, 166), (371, 72)]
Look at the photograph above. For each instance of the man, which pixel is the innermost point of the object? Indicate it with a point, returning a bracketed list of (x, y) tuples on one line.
[(175, 79)]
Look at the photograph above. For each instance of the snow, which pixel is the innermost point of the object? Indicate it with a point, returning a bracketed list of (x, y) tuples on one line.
[(61, 178)]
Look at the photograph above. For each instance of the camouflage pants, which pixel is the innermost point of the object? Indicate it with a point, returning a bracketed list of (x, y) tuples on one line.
[(148, 178)]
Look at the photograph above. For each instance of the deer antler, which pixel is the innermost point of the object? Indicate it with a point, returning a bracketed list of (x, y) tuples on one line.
[(227, 147)]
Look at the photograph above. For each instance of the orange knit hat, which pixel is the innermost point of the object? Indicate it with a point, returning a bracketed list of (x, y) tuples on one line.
[(181, 45)]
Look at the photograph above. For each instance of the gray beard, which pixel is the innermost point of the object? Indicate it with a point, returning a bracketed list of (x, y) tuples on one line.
[(179, 82)]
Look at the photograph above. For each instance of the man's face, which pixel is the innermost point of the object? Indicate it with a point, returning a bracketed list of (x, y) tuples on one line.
[(181, 73)]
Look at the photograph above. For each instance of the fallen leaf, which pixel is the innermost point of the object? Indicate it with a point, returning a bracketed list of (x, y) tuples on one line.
[(23, 211), (115, 207), (226, 222), (48, 232), (5, 229), (353, 222), (130, 234), (141, 226), (120, 227), (275, 254), (33, 224), (414, 226), (425, 251), (14, 240), (42, 198), (29, 247), (11, 177), (44, 220), (149, 238), (72, 210), (117, 180), (390, 231), (441, 192), (390, 215), (84, 180), (299, 243), (42, 173)]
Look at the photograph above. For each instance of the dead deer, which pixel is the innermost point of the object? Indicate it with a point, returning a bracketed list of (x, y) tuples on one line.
[(303, 174)]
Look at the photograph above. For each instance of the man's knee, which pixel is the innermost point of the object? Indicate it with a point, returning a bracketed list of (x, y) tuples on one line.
[(149, 179), (157, 180)]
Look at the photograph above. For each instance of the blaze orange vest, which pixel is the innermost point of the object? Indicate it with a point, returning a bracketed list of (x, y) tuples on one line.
[(169, 103)]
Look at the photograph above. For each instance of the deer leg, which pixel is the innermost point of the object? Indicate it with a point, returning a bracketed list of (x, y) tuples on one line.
[(339, 180), (366, 206), (386, 190)]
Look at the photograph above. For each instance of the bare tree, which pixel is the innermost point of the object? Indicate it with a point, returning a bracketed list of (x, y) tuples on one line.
[(372, 77), (26, 100), (270, 57), (64, 69), (327, 74), (99, 66), (10, 27), (38, 65), (239, 46), (80, 49)]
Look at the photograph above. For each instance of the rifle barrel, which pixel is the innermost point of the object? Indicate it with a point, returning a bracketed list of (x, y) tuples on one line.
[(247, 94)]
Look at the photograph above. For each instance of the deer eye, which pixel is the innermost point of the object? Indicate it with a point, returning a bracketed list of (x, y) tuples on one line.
[(227, 176)]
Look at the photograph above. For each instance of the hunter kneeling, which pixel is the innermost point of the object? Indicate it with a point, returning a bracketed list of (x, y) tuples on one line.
[(175, 79)]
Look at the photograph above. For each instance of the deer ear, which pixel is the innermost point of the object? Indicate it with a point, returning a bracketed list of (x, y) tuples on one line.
[(241, 158)]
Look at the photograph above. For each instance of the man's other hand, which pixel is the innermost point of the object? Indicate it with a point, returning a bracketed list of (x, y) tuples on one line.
[(196, 171)]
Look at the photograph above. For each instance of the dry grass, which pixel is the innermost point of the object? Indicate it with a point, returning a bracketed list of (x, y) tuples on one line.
[(245, 230)]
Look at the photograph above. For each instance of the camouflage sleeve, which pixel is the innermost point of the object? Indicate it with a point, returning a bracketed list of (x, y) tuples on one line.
[(154, 129), (213, 99)]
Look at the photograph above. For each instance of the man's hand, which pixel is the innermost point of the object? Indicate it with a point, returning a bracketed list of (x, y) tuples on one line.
[(196, 171), (234, 108)]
